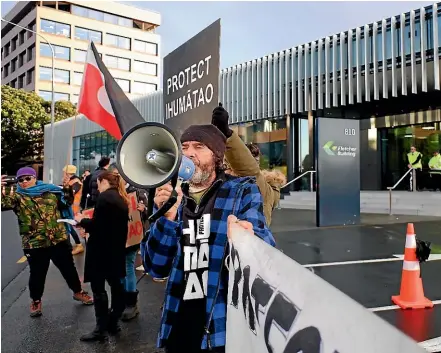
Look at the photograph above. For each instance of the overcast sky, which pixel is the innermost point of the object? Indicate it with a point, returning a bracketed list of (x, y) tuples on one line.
[(254, 29)]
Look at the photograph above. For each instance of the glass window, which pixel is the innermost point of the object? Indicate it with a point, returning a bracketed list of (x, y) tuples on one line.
[(78, 78), (126, 22), (143, 87), (388, 44), (13, 65), (124, 84), (14, 43), (417, 40), (429, 33), (79, 11), (379, 46), (116, 62), (55, 28), (110, 18), (145, 47), (21, 59), (407, 39), (88, 34), (118, 41), (61, 76), (22, 37), (439, 30), (60, 52), (58, 96), (80, 55), (30, 76), (96, 15), (145, 67), (21, 80)]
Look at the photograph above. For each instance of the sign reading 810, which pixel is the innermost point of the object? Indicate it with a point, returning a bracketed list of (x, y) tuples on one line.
[(350, 132)]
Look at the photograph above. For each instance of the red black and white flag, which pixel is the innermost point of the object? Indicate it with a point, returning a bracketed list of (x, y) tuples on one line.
[(103, 101)]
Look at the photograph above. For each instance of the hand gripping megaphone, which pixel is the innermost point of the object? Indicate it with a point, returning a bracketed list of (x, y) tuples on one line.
[(148, 156)]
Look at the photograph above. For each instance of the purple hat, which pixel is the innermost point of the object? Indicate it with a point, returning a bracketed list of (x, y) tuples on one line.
[(25, 171)]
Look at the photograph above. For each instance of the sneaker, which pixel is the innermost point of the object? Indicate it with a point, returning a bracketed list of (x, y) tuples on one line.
[(79, 248), (36, 308), (83, 297)]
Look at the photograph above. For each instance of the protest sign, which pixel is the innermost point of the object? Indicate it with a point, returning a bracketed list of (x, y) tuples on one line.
[(191, 80), (275, 305), (136, 228)]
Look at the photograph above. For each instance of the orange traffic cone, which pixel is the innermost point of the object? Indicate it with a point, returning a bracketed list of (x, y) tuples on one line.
[(411, 291)]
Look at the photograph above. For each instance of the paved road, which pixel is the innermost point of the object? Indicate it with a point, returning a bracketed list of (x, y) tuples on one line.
[(11, 248), (371, 284)]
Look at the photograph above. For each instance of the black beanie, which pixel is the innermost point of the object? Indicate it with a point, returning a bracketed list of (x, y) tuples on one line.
[(209, 135)]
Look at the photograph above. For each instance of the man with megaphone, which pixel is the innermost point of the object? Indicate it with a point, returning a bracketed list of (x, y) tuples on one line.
[(189, 244)]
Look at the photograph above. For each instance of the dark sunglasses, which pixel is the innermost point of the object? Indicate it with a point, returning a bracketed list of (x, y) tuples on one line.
[(23, 179)]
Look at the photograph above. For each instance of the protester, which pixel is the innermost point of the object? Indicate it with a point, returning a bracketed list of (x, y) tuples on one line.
[(86, 189), (105, 253), (103, 164), (73, 181), (189, 244), (244, 161), (130, 291), (38, 206)]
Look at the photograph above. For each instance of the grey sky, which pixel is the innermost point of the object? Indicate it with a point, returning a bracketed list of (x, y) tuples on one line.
[(254, 29)]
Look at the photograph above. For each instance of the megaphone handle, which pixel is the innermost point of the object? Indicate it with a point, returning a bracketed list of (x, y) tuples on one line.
[(165, 207)]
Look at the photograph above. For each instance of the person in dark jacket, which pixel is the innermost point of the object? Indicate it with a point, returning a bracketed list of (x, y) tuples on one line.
[(105, 253), (86, 189), (103, 164), (130, 290)]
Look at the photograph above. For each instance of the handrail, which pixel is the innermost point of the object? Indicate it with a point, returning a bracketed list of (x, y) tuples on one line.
[(399, 181), (390, 188), (298, 177)]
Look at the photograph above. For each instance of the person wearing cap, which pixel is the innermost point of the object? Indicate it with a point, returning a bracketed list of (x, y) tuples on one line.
[(71, 180), (189, 244), (435, 170), (243, 160), (38, 206)]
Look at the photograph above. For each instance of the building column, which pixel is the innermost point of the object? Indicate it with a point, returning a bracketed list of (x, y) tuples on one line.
[(290, 146)]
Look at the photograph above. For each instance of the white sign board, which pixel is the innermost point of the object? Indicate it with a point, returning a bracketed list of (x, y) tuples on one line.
[(275, 305)]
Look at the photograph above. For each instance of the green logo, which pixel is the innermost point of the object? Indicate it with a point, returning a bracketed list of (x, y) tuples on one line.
[(330, 148)]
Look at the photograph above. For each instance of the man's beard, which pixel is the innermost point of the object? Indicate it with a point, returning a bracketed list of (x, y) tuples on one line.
[(202, 175)]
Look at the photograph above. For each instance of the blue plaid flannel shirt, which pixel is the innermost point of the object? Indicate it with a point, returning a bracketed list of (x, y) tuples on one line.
[(162, 251)]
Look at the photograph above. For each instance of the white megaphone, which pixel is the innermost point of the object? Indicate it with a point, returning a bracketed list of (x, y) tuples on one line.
[(149, 155)]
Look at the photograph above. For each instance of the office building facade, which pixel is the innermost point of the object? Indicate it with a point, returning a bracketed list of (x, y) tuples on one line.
[(386, 74), (124, 36)]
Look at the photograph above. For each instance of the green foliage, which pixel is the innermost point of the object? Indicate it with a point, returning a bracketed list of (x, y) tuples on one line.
[(24, 115)]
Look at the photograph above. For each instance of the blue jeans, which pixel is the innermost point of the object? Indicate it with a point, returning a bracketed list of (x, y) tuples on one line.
[(130, 279)]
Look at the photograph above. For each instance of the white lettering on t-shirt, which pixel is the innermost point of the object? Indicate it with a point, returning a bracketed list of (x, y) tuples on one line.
[(196, 257)]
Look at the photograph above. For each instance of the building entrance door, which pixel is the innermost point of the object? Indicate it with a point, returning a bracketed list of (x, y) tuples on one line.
[(396, 143)]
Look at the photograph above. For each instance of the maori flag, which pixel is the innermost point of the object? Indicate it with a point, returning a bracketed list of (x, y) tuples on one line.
[(103, 101)]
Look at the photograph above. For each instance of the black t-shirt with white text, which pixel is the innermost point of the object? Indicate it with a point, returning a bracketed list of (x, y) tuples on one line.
[(188, 327)]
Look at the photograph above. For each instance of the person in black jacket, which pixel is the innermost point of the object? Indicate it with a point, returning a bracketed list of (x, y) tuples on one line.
[(103, 164), (105, 253), (86, 190), (130, 291)]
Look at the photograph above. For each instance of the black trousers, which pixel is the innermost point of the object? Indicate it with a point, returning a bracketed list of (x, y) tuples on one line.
[(419, 180), (98, 286), (39, 260)]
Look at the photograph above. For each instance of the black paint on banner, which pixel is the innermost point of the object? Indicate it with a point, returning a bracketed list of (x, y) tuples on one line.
[(191, 80), (272, 309)]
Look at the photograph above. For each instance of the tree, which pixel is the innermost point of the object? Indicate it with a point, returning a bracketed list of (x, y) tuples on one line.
[(63, 109), (24, 115)]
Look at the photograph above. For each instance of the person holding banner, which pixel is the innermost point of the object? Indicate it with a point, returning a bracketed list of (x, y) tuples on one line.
[(189, 244), (243, 160), (105, 253)]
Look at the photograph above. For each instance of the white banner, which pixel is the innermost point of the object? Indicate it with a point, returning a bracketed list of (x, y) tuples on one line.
[(275, 305)]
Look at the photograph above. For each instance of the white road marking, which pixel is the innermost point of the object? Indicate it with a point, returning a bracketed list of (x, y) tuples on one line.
[(433, 257), (324, 264), (433, 345), (394, 307)]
